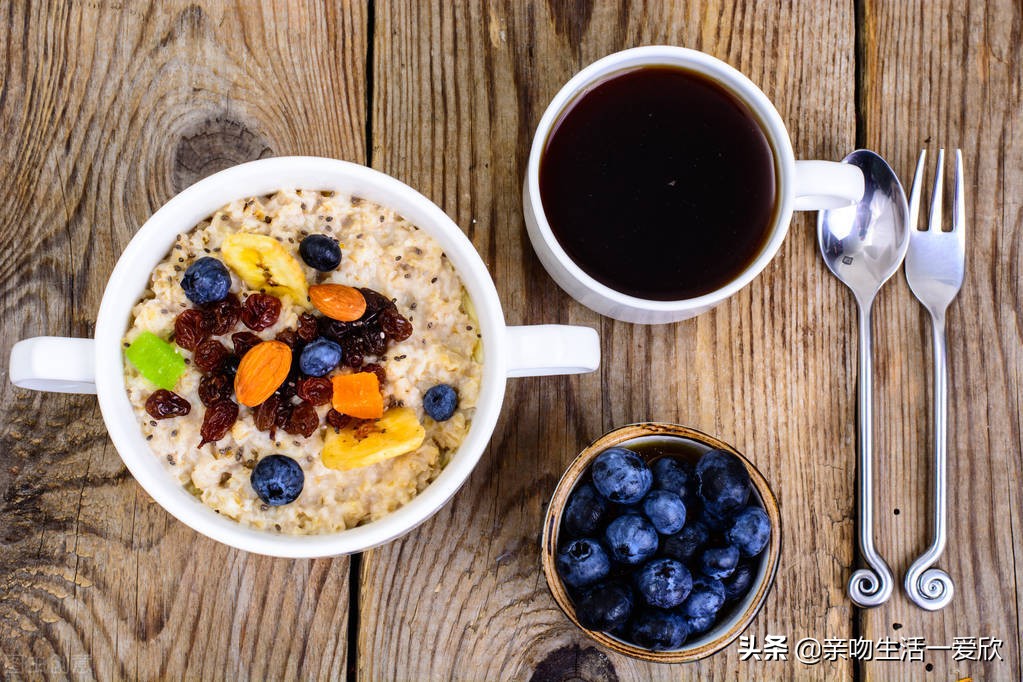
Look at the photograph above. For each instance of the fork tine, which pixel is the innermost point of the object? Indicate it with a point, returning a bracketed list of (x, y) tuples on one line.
[(914, 195), (959, 201), (934, 221)]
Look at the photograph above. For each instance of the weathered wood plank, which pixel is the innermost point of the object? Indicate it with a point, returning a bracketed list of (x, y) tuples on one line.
[(948, 75), (459, 88), (108, 109)]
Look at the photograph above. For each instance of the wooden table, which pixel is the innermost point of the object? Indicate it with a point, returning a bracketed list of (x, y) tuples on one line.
[(107, 109)]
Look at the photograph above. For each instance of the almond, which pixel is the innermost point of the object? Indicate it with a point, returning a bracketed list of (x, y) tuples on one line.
[(261, 372), (338, 302)]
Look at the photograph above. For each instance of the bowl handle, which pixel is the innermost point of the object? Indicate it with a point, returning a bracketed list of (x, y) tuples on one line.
[(54, 363), (546, 349)]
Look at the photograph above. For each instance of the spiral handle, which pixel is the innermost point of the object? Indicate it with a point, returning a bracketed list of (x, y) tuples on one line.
[(869, 588), (931, 589)]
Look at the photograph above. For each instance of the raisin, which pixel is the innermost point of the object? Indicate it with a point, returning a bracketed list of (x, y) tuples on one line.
[(218, 420), (214, 388), (261, 311), (289, 338), (244, 342), (378, 370), (334, 330), (210, 354), (315, 390), (230, 365), (223, 315), (164, 404), (191, 328), (303, 420), (307, 327), (265, 414), (337, 420), (394, 324), (375, 301), (283, 413), (374, 340)]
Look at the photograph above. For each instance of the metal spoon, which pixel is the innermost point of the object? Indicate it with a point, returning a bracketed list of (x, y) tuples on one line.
[(863, 245)]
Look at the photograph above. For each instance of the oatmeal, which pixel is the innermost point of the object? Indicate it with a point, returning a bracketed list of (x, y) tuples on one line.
[(304, 362)]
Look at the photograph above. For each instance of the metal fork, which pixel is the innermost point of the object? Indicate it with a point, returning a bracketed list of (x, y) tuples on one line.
[(934, 269)]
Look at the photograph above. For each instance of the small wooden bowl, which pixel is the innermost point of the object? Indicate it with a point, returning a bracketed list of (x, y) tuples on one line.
[(742, 613)]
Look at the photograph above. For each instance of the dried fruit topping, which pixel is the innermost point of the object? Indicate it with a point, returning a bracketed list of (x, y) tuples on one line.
[(244, 342), (338, 301), (218, 420), (156, 360), (337, 420), (265, 414), (223, 315), (307, 327), (191, 328), (261, 311), (215, 387), (394, 324), (315, 390), (360, 444), (265, 265), (230, 365), (358, 395), (210, 354), (288, 337), (378, 370), (283, 413), (261, 371), (163, 404), (375, 301), (303, 420)]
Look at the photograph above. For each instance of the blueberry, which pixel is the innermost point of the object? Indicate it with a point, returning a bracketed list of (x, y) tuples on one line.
[(440, 402), (665, 510), (659, 630), (664, 583), (582, 562), (621, 476), (724, 481), (715, 523), (719, 562), (604, 606), (678, 477), (750, 531), (277, 479), (705, 600), (685, 544), (320, 252), (738, 584), (319, 357), (584, 512), (698, 625), (206, 281), (631, 539)]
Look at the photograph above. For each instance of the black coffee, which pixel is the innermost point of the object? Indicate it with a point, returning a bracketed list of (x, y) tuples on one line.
[(659, 183)]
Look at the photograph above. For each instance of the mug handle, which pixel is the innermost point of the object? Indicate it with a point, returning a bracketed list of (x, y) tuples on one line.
[(823, 185), (54, 363), (546, 349)]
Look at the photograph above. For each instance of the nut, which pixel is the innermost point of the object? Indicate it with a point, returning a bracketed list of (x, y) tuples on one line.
[(338, 302), (261, 372)]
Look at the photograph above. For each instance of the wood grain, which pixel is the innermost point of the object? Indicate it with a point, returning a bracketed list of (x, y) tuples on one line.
[(459, 88), (950, 75), (107, 110)]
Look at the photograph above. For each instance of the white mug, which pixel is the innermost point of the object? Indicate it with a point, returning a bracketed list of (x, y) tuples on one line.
[(803, 185), (97, 365)]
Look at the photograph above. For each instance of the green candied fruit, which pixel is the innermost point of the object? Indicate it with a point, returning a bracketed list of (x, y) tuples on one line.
[(156, 360)]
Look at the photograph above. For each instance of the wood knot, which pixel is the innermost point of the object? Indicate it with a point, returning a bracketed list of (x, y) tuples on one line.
[(212, 145), (573, 662)]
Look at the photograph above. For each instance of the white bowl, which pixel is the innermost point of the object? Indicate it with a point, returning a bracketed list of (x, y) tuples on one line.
[(96, 366)]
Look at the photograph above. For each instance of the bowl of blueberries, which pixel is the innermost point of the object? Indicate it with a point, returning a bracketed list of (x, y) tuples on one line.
[(661, 542)]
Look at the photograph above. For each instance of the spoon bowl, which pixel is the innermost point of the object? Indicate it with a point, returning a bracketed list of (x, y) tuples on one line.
[(863, 245)]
